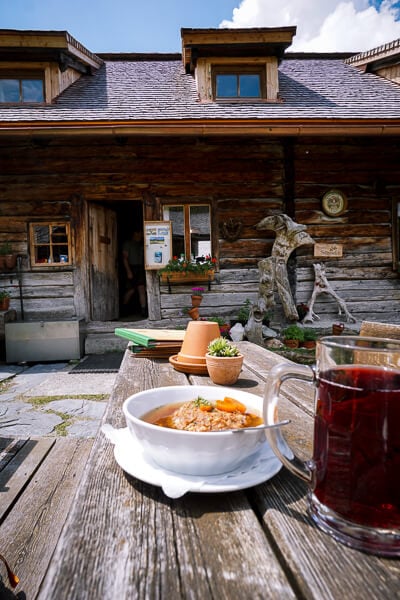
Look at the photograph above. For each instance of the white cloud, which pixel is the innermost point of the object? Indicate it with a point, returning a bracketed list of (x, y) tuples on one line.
[(324, 25)]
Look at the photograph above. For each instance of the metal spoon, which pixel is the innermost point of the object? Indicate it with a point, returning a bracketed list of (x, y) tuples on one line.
[(279, 424)]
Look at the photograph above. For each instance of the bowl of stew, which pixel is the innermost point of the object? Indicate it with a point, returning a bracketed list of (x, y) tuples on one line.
[(189, 429)]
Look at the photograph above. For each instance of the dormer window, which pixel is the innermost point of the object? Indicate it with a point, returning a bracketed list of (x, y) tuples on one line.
[(242, 83), (20, 88), (235, 64), (37, 66)]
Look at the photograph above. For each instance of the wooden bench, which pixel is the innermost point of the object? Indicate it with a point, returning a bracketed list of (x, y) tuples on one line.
[(383, 330), (38, 481)]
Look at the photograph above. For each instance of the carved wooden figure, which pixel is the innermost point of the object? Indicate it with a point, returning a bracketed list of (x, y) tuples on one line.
[(322, 286), (273, 270)]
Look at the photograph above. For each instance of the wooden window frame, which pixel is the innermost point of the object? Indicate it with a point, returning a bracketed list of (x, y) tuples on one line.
[(23, 75), (186, 223), (238, 70), (51, 244)]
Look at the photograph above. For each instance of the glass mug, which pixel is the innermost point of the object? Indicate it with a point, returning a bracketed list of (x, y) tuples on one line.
[(354, 474)]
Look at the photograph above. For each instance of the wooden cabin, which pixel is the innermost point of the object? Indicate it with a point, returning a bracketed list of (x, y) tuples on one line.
[(231, 130)]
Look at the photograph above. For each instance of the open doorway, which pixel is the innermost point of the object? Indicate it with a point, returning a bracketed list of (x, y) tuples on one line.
[(129, 220)]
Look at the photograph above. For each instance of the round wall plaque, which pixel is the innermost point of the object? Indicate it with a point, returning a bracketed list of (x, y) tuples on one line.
[(334, 203)]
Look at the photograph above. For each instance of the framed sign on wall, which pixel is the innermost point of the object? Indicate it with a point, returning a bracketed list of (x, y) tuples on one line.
[(157, 244), (334, 203)]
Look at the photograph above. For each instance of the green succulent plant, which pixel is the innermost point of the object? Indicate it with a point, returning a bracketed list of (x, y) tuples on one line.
[(222, 347)]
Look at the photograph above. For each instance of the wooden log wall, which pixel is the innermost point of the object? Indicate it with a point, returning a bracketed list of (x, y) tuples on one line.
[(243, 179), (366, 171)]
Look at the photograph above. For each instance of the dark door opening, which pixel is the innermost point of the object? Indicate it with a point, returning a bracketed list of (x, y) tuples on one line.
[(129, 219)]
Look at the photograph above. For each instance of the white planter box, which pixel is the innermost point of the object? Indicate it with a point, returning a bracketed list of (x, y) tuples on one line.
[(43, 341)]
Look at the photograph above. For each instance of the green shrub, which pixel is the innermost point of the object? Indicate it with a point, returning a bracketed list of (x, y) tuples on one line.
[(244, 312), (293, 332), (310, 335)]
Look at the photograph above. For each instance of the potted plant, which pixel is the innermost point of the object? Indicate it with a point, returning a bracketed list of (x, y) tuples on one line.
[(337, 328), (244, 312), (181, 270), (224, 327), (8, 259), (224, 361), (310, 338), (197, 295), (292, 336), (4, 300), (193, 313)]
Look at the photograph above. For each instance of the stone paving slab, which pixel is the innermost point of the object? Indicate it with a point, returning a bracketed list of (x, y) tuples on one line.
[(47, 400)]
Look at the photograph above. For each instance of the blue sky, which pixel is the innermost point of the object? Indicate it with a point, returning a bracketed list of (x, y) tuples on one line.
[(154, 25)]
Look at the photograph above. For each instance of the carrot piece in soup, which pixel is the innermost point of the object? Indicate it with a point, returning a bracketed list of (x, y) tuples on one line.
[(230, 405)]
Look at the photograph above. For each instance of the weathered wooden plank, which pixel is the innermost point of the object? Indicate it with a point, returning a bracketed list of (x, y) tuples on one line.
[(148, 563), (353, 273), (17, 473), (321, 568), (31, 530), (47, 278), (9, 447)]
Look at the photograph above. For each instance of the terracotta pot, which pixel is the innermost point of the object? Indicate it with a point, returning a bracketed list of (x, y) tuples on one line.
[(195, 343), (196, 300), (292, 343), (194, 313), (224, 370), (309, 344), (11, 261), (337, 328), (4, 304), (8, 262)]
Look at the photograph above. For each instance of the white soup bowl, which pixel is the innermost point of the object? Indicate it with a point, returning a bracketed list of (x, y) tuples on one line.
[(191, 452)]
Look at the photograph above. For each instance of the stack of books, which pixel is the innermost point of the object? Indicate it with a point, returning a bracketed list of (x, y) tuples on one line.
[(152, 343)]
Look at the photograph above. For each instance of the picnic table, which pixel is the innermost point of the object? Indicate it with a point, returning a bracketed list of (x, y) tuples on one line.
[(125, 539)]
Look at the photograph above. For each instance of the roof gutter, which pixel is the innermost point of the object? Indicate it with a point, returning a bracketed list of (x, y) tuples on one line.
[(283, 127)]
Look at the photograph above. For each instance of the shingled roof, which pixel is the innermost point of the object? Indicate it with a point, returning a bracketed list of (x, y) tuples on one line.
[(144, 89)]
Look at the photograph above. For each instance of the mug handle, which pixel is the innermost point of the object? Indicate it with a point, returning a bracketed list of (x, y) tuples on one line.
[(276, 377)]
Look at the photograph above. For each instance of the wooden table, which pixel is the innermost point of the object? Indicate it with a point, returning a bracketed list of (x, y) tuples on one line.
[(38, 481), (124, 539)]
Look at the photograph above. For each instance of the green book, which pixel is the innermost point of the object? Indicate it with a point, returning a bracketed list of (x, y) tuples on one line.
[(151, 337)]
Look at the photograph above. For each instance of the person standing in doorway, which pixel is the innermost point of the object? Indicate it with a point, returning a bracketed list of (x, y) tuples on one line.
[(133, 260)]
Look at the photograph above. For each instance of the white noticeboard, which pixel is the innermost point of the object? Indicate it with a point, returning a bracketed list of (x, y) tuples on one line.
[(157, 244)]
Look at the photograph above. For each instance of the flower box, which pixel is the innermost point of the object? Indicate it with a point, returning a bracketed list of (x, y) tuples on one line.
[(183, 277)]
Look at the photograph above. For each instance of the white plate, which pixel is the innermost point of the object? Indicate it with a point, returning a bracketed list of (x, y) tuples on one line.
[(131, 458)]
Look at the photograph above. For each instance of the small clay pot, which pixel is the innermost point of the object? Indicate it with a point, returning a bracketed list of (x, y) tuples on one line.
[(337, 328), (224, 370), (4, 304), (195, 343), (10, 261), (309, 344), (196, 300), (194, 313), (292, 343)]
